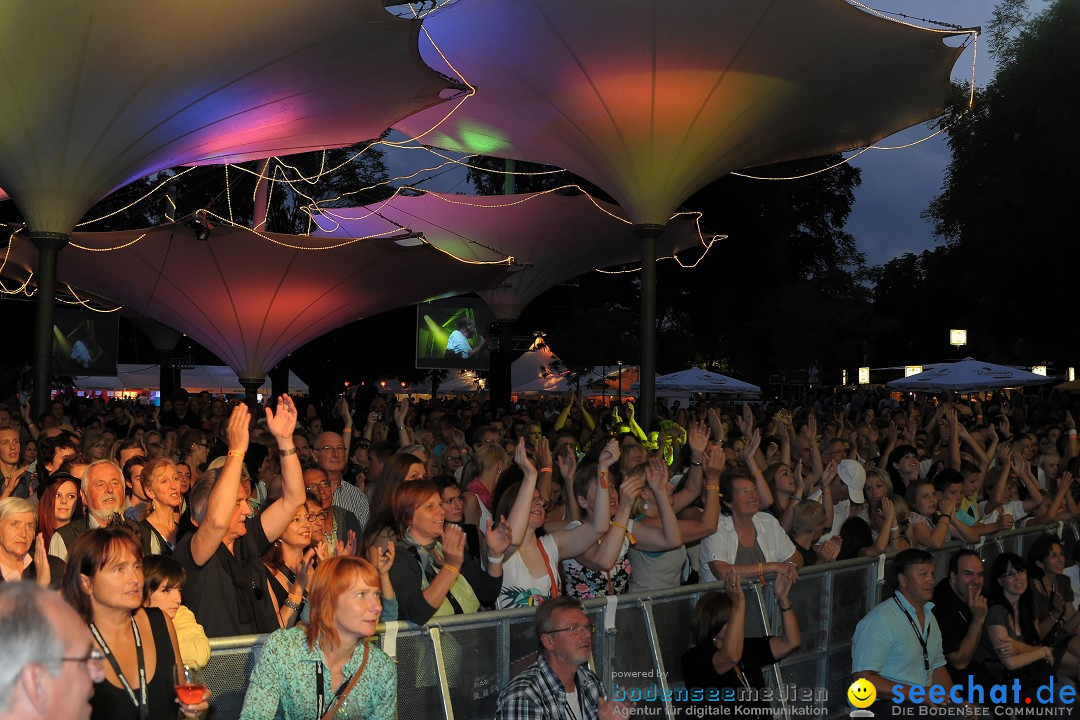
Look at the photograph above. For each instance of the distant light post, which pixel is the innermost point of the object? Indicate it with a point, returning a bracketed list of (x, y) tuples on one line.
[(910, 370), (864, 376), (958, 338)]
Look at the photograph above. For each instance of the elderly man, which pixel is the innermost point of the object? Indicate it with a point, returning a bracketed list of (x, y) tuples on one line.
[(559, 685), (330, 456), (227, 584), (50, 663), (103, 496)]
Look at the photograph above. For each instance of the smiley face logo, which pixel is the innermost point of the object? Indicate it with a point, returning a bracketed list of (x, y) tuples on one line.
[(862, 693)]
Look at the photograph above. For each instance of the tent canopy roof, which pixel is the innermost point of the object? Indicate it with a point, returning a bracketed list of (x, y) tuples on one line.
[(98, 93), (252, 298), (653, 104), (212, 378), (556, 237)]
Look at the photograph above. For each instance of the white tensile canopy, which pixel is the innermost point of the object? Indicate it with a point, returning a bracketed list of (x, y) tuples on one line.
[(212, 378)]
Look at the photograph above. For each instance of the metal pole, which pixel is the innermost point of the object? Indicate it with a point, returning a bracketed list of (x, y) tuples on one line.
[(49, 245), (647, 369)]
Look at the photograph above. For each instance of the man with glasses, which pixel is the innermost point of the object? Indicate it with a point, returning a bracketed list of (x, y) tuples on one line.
[(330, 457), (336, 522), (560, 685), (50, 663)]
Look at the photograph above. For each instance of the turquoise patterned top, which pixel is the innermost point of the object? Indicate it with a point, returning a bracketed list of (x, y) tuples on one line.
[(285, 677)]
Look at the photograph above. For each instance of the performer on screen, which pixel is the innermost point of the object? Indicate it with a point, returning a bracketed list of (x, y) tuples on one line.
[(458, 346)]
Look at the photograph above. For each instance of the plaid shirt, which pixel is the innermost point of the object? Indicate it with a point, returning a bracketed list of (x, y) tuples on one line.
[(536, 694)]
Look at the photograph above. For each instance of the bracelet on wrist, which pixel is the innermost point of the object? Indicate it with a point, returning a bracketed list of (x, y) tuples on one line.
[(292, 605), (784, 609), (494, 559), (451, 568), (235, 454), (287, 452), (696, 463)]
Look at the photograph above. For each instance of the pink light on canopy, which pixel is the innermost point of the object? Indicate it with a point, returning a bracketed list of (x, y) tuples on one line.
[(97, 93), (556, 237), (252, 299), (654, 101)]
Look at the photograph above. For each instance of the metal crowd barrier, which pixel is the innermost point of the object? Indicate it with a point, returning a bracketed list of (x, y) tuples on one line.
[(454, 667)]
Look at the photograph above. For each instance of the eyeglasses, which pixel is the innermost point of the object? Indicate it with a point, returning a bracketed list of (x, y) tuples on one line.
[(334, 449), (456, 458), (1013, 573), (314, 487), (363, 445), (575, 630), (317, 516), (91, 661)]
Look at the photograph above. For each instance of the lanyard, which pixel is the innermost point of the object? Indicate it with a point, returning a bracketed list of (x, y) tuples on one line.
[(321, 706), (578, 714), (919, 635), (140, 702)]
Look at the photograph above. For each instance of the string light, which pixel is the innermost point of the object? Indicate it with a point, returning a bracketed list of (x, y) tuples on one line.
[(23, 289), (136, 202), (80, 301), (707, 244), (108, 249)]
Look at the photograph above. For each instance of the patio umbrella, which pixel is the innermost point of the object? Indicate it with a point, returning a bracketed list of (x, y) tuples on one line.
[(696, 380), (967, 376)]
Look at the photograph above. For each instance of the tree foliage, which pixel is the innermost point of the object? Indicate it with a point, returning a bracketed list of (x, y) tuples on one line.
[(1007, 211)]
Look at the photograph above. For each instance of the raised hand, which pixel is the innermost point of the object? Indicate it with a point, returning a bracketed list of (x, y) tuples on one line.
[(349, 546), (630, 490), (830, 549), (400, 411), (498, 537), (976, 603), (237, 430), (453, 544), (543, 453), (567, 463), (656, 475), (282, 423), (381, 557), (306, 565), (41, 562), (784, 580), (745, 421), (609, 455), (749, 451), (699, 437), (521, 458)]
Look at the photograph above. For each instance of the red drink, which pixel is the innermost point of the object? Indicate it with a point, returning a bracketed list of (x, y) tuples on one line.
[(191, 693)]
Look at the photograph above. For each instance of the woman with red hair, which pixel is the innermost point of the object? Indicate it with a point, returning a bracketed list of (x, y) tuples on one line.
[(328, 668), (60, 504)]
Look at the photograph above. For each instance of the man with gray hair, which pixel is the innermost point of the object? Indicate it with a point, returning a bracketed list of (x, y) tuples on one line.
[(560, 685), (103, 495), (49, 663)]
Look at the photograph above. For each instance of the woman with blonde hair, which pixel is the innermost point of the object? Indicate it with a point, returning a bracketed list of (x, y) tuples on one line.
[(328, 668)]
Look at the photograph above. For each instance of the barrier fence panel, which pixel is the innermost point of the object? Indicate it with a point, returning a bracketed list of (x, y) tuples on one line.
[(455, 667)]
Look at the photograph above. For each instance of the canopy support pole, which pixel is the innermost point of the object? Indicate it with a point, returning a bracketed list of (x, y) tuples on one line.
[(499, 342), (251, 388), (49, 245), (646, 409)]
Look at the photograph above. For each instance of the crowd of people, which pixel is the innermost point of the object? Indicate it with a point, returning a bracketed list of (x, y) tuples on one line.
[(165, 526)]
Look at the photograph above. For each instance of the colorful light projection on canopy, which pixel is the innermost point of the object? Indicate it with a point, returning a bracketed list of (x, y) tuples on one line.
[(97, 93), (555, 237), (254, 298), (653, 102)]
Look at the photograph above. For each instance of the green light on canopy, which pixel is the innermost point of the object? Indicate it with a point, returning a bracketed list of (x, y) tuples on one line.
[(473, 138)]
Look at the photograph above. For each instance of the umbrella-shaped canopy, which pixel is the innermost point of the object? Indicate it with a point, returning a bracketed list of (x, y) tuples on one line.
[(556, 237), (97, 93), (252, 298), (653, 102), (695, 380), (966, 376)]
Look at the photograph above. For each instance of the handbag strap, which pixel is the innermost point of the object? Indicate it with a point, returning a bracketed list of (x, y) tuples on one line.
[(342, 694)]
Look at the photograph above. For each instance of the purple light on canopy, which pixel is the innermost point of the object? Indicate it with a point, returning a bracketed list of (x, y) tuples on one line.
[(653, 103), (252, 299), (98, 93), (555, 237)]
